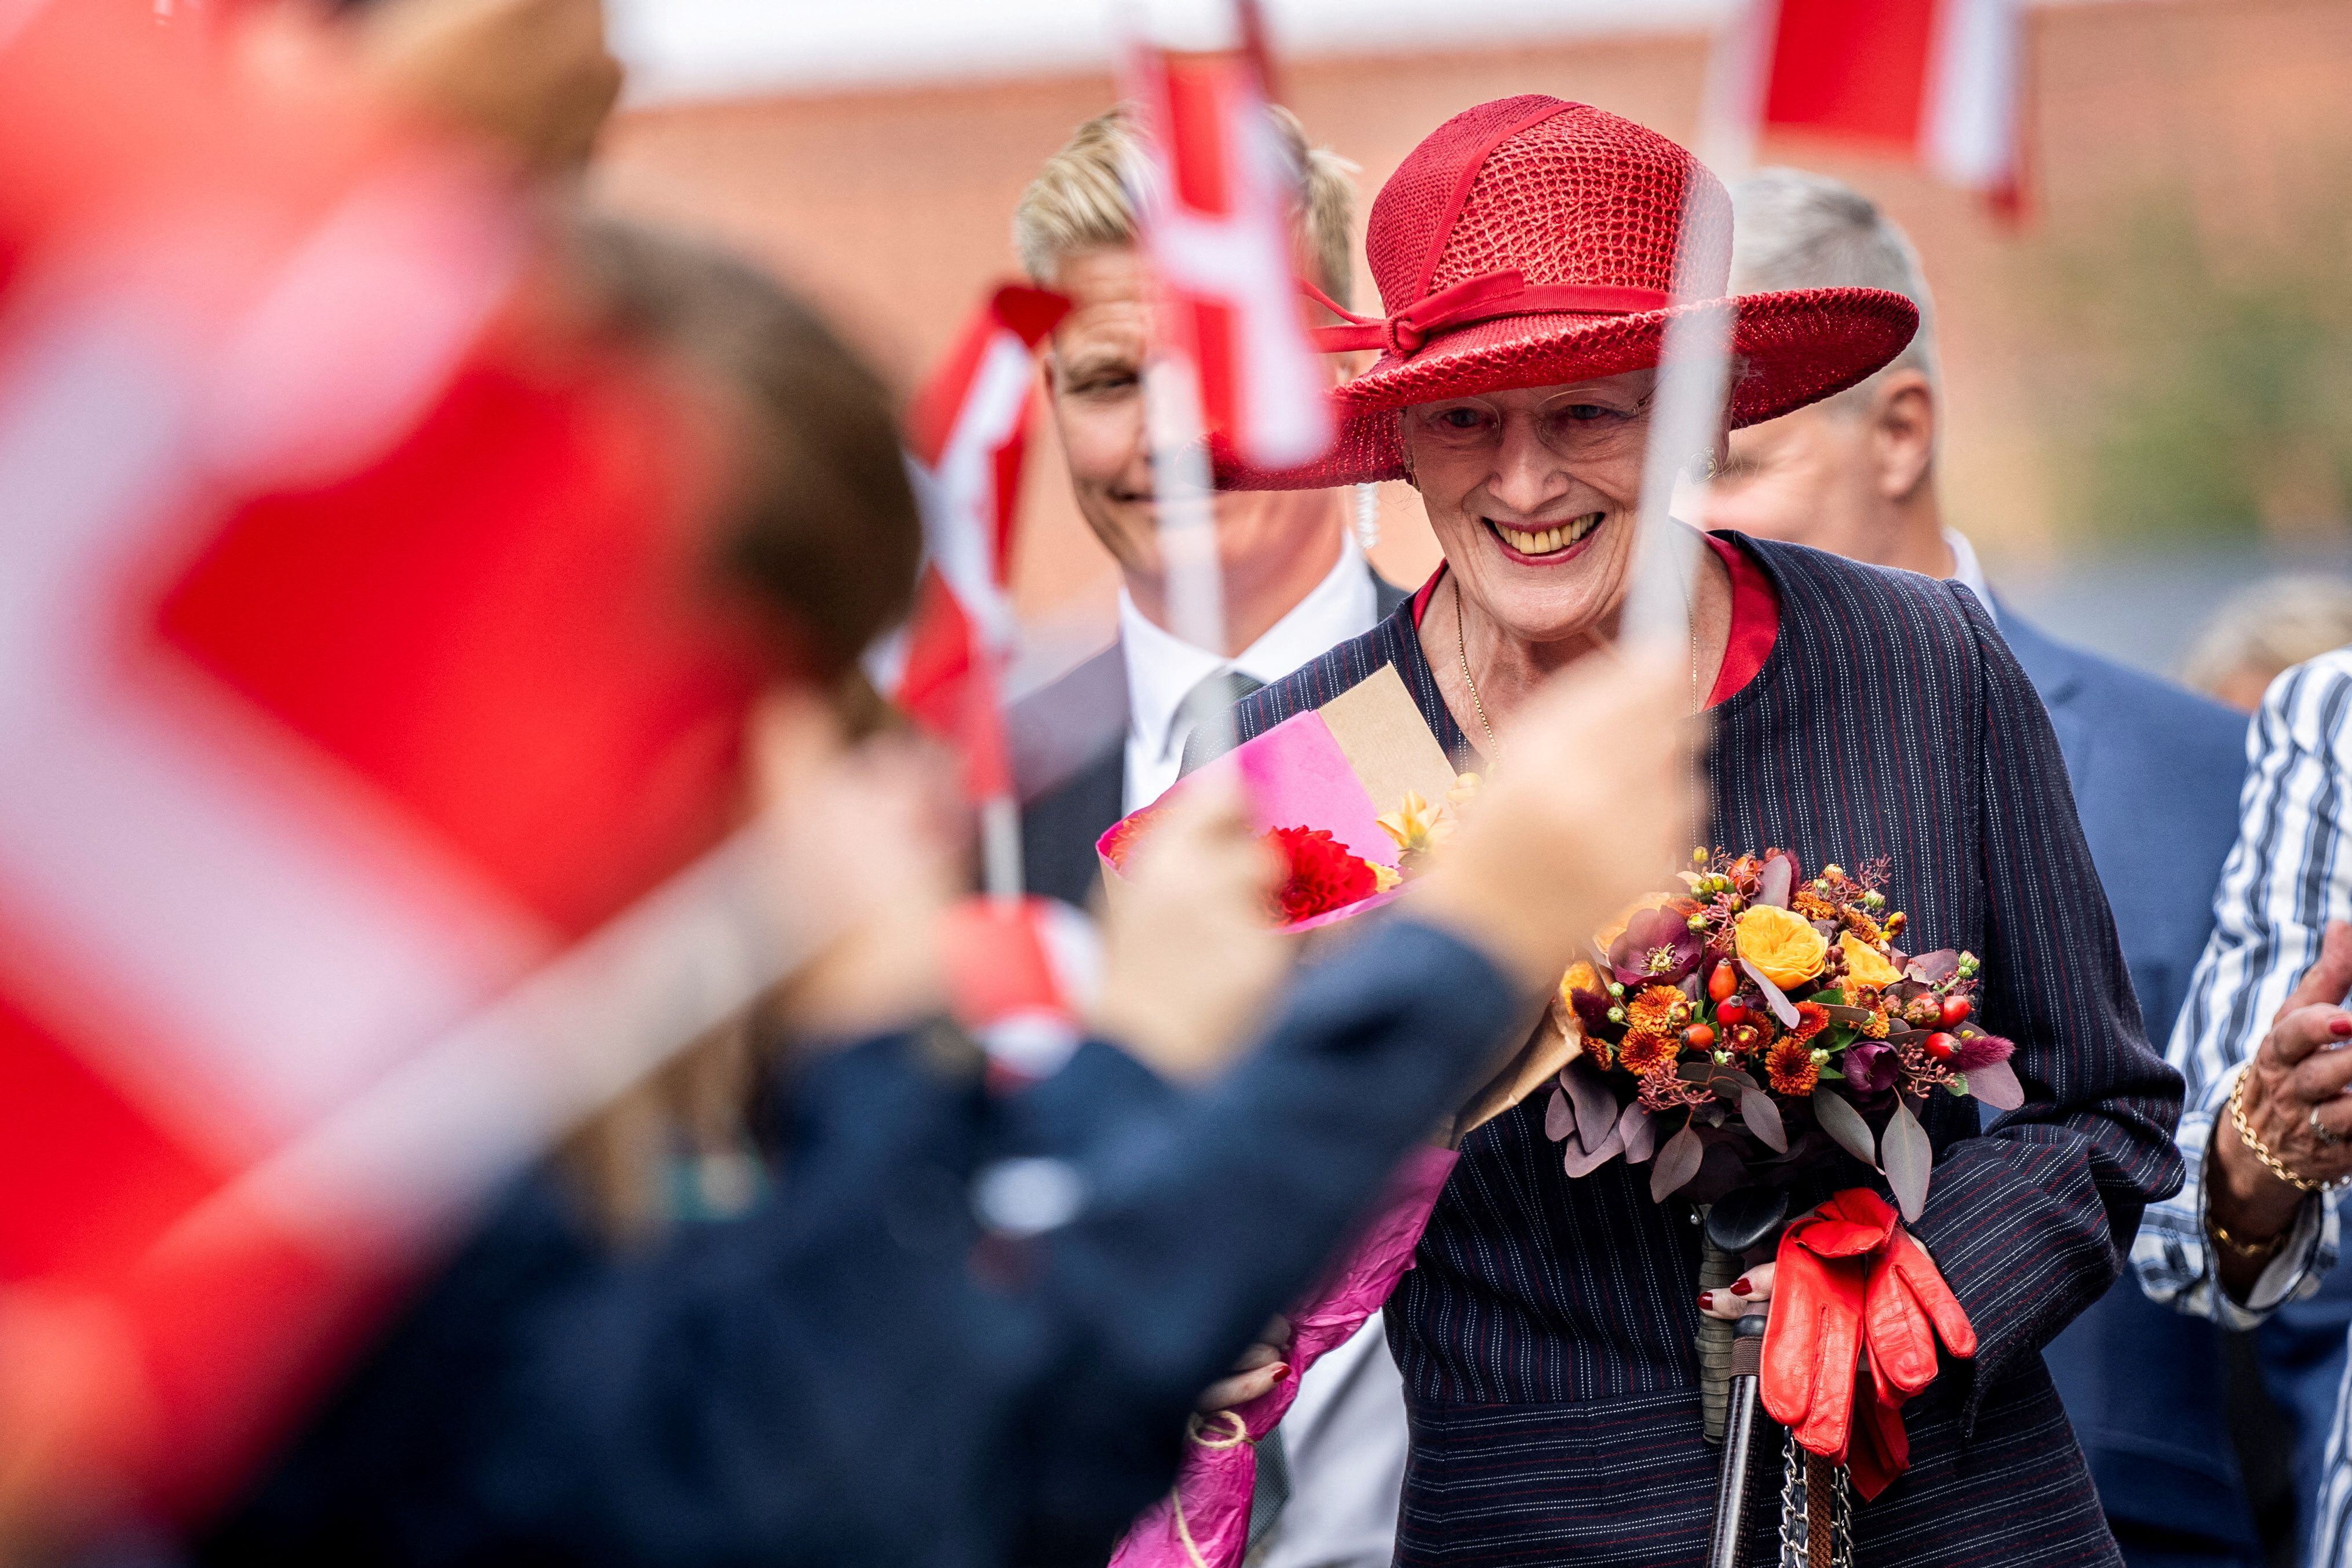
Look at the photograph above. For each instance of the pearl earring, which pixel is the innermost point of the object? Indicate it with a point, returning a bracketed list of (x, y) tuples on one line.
[(1368, 516)]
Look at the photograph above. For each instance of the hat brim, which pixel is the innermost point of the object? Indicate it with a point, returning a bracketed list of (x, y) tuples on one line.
[(1797, 346)]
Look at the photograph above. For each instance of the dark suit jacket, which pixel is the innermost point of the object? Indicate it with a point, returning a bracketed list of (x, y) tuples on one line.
[(2154, 771), (858, 1371), (1069, 764)]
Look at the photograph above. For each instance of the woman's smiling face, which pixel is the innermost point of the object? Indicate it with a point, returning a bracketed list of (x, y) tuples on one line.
[(1533, 495)]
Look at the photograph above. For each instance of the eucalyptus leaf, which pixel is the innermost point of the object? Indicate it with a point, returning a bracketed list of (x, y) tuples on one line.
[(1677, 1163), (1716, 1075), (1596, 1108), (1639, 1131), (1763, 1119), (1578, 1162), (1934, 968), (1558, 1120), (1844, 1125), (1995, 1084), (1906, 1157), (1776, 880), (1774, 997)]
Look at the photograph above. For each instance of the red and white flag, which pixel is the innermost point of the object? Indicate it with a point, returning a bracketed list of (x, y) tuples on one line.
[(367, 751), (1218, 192), (968, 433), (1937, 81)]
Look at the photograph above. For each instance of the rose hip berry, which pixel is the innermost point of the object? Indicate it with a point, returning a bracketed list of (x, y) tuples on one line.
[(1956, 1011), (1940, 1046)]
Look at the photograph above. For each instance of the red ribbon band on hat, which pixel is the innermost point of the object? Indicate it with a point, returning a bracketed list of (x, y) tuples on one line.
[(1857, 1308), (1485, 297)]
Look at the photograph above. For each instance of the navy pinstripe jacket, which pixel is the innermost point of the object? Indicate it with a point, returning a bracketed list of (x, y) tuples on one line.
[(1545, 1332)]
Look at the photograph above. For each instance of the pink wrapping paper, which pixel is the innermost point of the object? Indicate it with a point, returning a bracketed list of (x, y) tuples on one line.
[(1296, 774), (1204, 1521)]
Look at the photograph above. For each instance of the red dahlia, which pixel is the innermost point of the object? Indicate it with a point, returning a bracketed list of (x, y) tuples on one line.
[(1322, 875)]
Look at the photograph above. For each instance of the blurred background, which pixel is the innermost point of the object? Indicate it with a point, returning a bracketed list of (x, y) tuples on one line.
[(2149, 370)]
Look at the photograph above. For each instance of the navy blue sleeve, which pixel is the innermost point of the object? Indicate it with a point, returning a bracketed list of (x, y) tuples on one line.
[(860, 1370)]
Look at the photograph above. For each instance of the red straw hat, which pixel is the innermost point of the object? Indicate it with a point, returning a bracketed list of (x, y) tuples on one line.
[(1529, 242)]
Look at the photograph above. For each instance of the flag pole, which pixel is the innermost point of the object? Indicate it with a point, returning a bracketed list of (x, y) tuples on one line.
[(1694, 363), (1175, 423)]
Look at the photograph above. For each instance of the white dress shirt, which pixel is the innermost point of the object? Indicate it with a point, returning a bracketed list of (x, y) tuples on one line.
[(1968, 571), (1344, 1438), (1162, 670)]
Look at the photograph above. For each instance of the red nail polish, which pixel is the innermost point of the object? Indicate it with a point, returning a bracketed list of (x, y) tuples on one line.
[(1281, 1370), (2339, 1026), (1740, 1287), (1707, 1300)]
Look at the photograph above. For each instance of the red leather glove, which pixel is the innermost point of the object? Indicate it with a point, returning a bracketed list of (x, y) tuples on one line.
[(1812, 1341), (1855, 1302), (1907, 1307)]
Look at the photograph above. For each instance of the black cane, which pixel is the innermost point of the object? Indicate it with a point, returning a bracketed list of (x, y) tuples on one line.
[(1738, 1442), (1738, 1224)]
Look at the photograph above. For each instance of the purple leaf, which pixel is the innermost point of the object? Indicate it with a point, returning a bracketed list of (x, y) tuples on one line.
[(1578, 1162), (1981, 1050), (1995, 1083), (1934, 968), (1774, 998), (1775, 881), (1677, 1163), (1596, 1108), (1907, 1156), (1763, 1119), (1844, 1125), (1558, 1120), (1639, 1131)]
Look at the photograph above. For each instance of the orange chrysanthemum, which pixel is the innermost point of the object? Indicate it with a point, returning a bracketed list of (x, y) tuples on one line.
[(1789, 1065), (1644, 1052), (1812, 905), (1658, 1010), (1812, 1019), (1744, 1039)]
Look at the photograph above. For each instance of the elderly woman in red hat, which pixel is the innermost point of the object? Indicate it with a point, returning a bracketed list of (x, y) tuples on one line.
[(1529, 253)]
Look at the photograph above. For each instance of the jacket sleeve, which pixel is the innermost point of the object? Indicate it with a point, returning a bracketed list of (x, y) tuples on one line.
[(2031, 1221), (866, 1368)]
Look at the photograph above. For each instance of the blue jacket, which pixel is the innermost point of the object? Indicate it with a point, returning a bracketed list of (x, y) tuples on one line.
[(860, 1371), (2154, 771)]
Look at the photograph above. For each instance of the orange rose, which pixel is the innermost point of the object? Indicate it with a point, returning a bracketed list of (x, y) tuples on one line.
[(1865, 965), (1782, 945)]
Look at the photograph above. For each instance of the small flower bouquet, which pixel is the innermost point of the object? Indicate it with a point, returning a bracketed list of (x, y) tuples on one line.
[(1325, 788), (1745, 1030)]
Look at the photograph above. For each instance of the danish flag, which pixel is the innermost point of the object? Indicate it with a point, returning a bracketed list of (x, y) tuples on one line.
[(1935, 80), (1216, 191), (968, 433), (367, 758)]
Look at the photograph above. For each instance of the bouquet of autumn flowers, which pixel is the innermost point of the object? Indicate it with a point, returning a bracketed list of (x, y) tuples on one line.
[(1741, 1032)]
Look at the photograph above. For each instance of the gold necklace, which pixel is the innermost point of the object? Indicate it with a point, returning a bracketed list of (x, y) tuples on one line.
[(1462, 652)]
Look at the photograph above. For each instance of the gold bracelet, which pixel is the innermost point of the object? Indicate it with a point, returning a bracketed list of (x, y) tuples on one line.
[(2261, 1151), (2249, 1250)]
